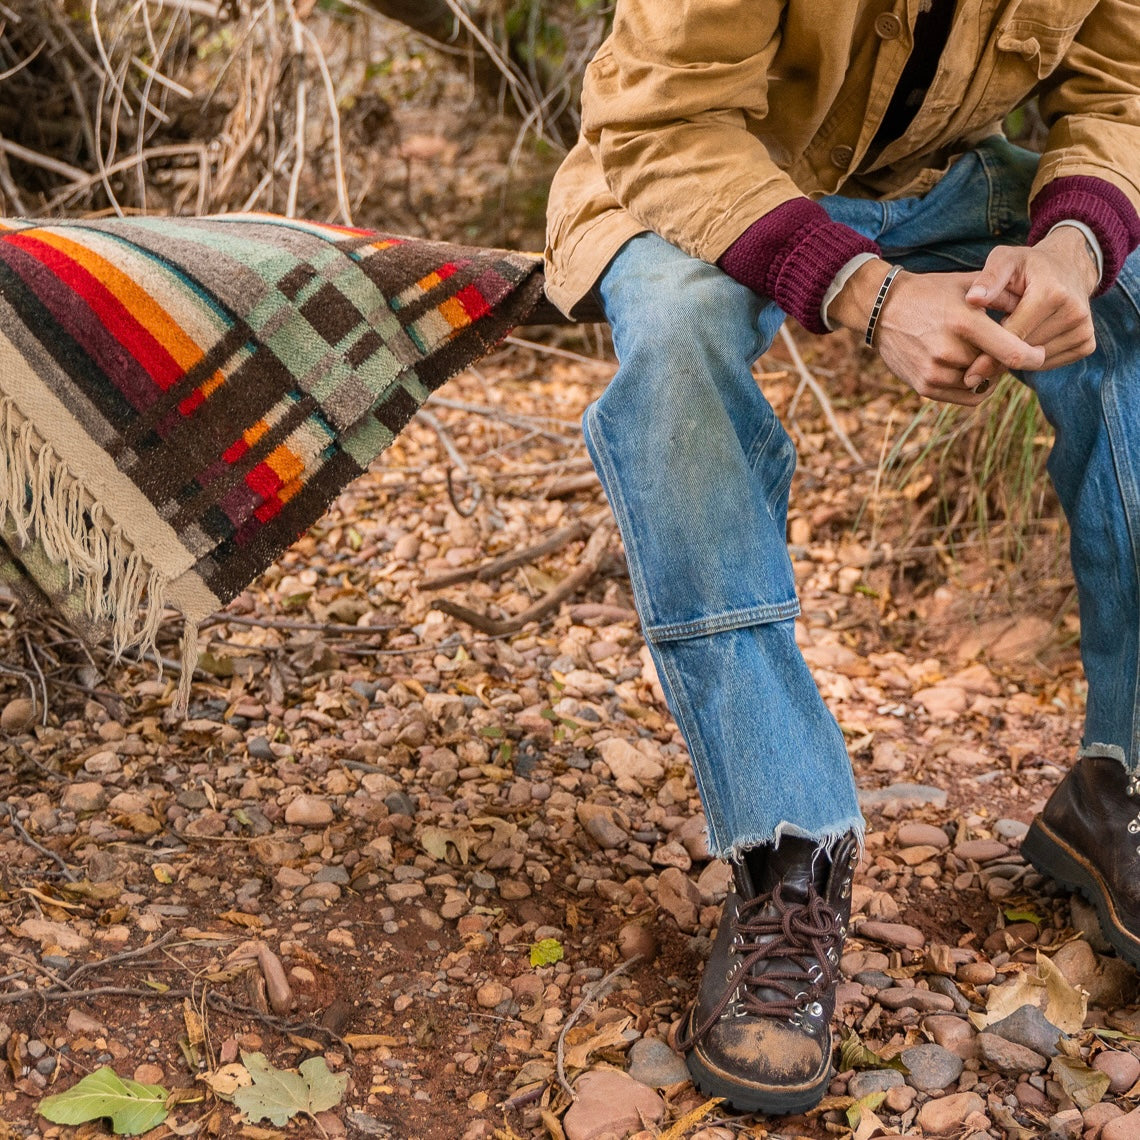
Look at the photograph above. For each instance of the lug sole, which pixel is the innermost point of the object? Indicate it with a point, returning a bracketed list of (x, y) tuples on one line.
[(750, 1098), (1052, 856)]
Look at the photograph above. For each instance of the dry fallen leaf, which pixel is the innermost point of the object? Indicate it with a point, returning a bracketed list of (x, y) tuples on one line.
[(224, 1082), (1064, 1005), (607, 1037)]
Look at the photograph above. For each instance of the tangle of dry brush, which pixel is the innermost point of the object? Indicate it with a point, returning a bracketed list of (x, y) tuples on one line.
[(174, 106)]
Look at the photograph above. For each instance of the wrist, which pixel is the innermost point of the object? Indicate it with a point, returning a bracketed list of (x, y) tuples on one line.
[(1070, 247), (1100, 205), (792, 255), (852, 307)]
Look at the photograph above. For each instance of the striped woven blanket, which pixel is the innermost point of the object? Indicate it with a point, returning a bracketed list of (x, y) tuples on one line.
[(181, 398)]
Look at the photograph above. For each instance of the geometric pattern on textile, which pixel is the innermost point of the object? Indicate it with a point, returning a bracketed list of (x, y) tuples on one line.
[(193, 392)]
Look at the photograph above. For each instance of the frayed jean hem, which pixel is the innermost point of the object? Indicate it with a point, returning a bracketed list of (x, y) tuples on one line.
[(825, 836)]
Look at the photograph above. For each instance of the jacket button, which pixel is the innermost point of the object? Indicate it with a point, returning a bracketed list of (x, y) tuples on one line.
[(841, 156), (888, 26)]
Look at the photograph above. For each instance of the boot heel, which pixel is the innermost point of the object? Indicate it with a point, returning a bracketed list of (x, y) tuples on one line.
[(1050, 855), (1044, 851)]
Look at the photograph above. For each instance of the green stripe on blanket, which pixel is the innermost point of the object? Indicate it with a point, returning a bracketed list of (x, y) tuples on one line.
[(181, 398)]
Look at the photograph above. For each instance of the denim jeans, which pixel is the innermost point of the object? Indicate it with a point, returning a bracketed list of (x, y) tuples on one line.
[(697, 467)]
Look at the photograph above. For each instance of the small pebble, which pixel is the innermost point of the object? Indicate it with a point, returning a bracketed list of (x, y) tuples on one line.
[(1007, 1057), (1121, 1068), (922, 835), (874, 1081), (653, 1063), (309, 811), (932, 1068), (947, 1114), (892, 933), (18, 716)]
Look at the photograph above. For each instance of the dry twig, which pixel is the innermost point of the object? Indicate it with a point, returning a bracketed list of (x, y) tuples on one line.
[(550, 601), (590, 996), (809, 381), (576, 530)]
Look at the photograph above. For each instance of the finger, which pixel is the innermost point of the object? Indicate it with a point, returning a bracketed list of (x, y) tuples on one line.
[(1065, 350), (1069, 357), (984, 370), (994, 279), (1058, 325), (1001, 342), (1005, 301), (1044, 307), (961, 396)]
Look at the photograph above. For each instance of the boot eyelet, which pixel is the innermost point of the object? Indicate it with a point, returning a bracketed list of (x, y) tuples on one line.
[(815, 974), (815, 1009)]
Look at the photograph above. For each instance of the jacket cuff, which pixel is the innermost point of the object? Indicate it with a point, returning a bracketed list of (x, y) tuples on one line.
[(1104, 208), (792, 255)]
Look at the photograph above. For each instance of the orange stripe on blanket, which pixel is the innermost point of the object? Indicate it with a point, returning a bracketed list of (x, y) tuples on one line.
[(453, 310), (285, 464), (141, 305)]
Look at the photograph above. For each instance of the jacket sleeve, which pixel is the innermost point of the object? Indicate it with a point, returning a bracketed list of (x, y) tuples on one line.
[(1091, 103), (666, 107)]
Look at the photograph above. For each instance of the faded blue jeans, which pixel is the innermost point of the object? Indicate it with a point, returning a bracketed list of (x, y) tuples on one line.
[(697, 467)]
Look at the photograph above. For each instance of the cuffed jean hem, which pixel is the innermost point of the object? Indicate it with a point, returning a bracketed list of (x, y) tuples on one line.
[(1105, 752)]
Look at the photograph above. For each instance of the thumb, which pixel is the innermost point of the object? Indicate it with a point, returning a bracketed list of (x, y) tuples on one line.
[(992, 283)]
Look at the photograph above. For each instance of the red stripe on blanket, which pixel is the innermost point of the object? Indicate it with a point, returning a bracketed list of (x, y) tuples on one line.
[(162, 368)]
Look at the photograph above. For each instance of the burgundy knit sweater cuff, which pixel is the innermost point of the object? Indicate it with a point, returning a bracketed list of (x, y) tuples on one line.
[(1102, 207), (791, 255)]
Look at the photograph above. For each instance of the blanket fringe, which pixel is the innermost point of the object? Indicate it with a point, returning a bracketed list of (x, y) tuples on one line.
[(48, 504)]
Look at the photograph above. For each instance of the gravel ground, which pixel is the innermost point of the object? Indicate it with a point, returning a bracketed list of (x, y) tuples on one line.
[(453, 862)]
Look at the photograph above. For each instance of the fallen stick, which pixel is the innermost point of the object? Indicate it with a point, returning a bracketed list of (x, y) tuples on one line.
[(587, 568), (588, 998), (817, 391), (341, 629), (497, 566), (572, 484)]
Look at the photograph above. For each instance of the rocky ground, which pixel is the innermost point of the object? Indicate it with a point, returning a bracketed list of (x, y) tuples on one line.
[(466, 866)]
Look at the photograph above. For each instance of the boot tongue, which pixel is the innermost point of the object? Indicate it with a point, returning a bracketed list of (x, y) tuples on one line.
[(794, 865)]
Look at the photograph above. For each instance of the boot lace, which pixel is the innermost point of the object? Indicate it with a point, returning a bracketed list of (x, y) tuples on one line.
[(798, 941)]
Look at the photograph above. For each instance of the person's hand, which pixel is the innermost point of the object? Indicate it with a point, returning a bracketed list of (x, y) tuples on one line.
[(929, 334), (1045, 291)]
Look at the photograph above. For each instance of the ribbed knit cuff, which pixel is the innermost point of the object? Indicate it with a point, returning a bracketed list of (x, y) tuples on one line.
[(791, 255), (1104, 208)]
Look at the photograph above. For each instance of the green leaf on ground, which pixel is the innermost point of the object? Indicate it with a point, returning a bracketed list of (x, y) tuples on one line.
[(133, 1108), (546, 952), (1013, 914), (277, 1095)]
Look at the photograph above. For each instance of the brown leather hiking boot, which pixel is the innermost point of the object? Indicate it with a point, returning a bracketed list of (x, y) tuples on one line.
[(759, 1033), (1088, 839)]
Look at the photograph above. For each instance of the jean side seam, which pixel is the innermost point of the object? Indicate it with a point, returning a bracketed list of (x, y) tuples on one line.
[(995, 199), (1130, 496), (721, 623)]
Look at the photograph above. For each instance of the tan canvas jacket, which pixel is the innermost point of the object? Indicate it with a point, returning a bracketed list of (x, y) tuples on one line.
[(700, 116)]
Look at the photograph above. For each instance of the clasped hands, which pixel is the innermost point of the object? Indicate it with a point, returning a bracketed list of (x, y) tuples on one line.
[(937, 333)]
